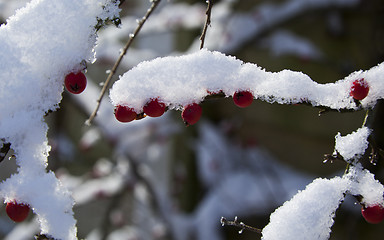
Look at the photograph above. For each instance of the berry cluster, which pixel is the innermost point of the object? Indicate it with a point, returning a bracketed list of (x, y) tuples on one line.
[(153, 108), (18, 212), (191, 113), (75, 82)]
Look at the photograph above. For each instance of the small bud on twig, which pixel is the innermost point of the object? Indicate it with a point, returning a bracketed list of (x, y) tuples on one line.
[(241, 225)]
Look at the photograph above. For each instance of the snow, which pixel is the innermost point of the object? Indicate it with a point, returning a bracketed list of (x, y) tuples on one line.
[(352, 145), (8, 8), (309, 214), (181, 80), (41, 43), (47, 39), (365, 185)]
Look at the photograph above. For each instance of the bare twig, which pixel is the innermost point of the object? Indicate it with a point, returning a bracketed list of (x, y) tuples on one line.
[(241, 225), (333, 157), (207, 22), (132, 36)]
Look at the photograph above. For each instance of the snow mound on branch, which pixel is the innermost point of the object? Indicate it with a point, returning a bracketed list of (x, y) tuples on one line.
[(181, 80), (364, 183), (309, 214), (40, 44), (354, 144)]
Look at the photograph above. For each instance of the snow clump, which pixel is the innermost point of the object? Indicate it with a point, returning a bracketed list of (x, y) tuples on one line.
[(309, 214), (352, 145)]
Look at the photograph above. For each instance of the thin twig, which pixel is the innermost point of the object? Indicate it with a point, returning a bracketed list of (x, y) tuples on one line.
[(207, 22), (132, 36), (331, 157), (238, 224)]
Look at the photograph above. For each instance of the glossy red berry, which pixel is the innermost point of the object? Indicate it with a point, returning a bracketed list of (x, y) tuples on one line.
[(75, 82), (373, 214), (125, 114), (359, 89), (18, 212), (242, 98), (191, 114), (154, 108)]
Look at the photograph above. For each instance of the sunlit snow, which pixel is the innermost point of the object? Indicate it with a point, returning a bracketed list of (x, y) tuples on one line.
[(40, 44), (309, 214), (47, 39), (354, 144), (181, 80)]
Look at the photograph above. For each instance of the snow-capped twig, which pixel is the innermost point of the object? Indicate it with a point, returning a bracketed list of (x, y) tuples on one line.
[(132, 36), (207, 22), (241, 225)]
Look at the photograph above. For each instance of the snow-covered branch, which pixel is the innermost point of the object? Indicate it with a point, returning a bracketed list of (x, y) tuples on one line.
[(187, 79), (40, 44)]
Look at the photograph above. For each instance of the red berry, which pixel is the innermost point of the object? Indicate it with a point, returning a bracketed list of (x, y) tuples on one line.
[(75, 82), (154, 108), (359, 89), (18, 212), (242, 98), (191, 114), (373, 214), (125, 114)]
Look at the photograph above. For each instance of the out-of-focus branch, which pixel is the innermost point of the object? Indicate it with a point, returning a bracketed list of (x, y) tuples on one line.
[(156, 200), (132, 36), (207, 22), (269, 18), (106, 225)]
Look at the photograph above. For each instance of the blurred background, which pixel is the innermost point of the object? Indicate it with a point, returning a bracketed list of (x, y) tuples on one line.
[(156, 178)]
